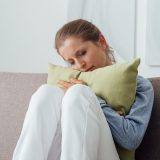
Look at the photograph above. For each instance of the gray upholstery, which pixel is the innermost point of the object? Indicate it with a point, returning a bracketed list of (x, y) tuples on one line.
[(150, 146), (15, 92)]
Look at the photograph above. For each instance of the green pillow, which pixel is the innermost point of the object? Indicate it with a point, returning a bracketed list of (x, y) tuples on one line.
[(116, 84)]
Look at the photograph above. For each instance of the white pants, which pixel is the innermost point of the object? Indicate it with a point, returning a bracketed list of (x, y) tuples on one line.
[(68, 126)]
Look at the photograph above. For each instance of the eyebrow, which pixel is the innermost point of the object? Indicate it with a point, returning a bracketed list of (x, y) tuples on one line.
[(75, 54)]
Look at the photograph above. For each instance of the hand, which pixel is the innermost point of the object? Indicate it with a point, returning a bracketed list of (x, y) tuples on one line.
[(66, 85), (120, 113)]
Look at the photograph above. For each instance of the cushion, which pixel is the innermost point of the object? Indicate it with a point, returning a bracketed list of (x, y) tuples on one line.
[(116, 84)]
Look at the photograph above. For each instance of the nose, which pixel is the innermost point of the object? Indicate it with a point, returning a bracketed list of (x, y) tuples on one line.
[(81, 65)]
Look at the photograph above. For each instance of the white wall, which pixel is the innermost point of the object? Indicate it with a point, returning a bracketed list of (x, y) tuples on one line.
[(28, 27), (141, 44), (27, 30)]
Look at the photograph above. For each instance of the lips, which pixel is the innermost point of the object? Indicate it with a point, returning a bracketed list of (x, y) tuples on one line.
[(90, 69)]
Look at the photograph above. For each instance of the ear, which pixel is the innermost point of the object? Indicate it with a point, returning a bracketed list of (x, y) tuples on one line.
[(103, 42)]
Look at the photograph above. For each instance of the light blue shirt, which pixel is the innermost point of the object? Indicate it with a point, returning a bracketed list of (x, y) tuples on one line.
[(128, 131)]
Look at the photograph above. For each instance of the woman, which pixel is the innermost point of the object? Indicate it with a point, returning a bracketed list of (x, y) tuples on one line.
[(70, 120)]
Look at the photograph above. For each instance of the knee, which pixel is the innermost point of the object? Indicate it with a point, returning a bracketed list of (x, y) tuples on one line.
[(77, 91), (79, 99), (75, 95), (47, 92), (45, 96)]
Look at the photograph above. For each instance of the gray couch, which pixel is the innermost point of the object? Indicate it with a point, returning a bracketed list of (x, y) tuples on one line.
[(15, 92)]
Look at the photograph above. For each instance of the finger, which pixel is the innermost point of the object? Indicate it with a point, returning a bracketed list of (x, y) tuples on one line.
[(73, 80), (120, 113), (63, 88), (65, 83)]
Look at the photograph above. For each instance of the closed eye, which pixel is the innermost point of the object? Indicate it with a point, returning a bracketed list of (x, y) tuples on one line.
[(71, 63), (81, 53), (78, 55)]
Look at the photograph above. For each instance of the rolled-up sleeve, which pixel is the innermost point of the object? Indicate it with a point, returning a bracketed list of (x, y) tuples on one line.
[(128, 131)]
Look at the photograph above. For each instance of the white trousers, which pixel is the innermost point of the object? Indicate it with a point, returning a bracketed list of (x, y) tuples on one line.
[(68, 126)]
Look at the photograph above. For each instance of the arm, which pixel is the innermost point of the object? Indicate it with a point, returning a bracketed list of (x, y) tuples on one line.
[(128, 131)]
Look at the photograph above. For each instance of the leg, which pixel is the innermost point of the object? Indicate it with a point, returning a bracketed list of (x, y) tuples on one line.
[(55, 150), (40, 124), (85, 131)]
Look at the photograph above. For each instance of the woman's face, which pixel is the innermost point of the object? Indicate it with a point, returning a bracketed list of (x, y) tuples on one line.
[(84, 55)]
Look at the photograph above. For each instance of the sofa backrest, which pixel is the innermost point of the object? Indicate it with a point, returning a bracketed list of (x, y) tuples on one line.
[(15, 93), (150, 146)]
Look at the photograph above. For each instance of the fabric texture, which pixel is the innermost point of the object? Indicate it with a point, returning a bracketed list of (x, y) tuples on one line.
[(119, 81), (79, 113), (128, 131), (16, 90), (150, 146)]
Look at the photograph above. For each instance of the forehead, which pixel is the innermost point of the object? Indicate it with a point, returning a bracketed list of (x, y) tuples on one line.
[(71, 45)]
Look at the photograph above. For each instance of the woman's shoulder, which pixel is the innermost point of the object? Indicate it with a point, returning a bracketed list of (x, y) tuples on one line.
[(144, 83)]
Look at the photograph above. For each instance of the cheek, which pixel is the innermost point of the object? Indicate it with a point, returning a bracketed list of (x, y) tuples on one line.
[(90, 59), (95, 57), (100, 59)]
